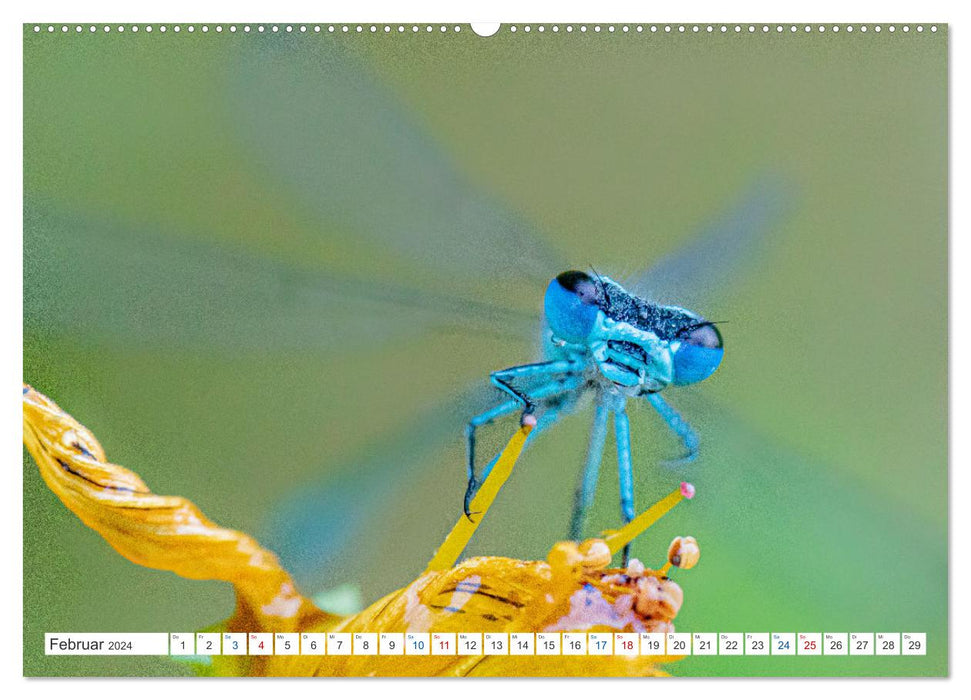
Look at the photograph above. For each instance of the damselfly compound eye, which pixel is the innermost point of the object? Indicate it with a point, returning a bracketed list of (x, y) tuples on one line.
[(699, 353), (572, 303)]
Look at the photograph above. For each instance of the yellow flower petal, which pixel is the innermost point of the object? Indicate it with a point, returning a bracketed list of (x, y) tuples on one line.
[(160, 532)]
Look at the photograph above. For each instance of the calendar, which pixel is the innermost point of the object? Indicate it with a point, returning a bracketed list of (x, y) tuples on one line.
[(406, 345), (471, 644)]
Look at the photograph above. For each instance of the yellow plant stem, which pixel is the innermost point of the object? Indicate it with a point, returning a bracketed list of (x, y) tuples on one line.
[(617, 539), (459, 537)]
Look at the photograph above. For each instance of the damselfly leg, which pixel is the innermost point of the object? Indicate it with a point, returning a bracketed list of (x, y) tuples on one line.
[(506, 379), (680, 427), (624, 471), (557, 377), (478, 421), (591, 471)]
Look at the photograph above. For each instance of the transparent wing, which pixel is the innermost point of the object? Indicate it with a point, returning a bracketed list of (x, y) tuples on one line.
[(732, 243), (315, 119), (151, 287), (396, 496), (400, 242)]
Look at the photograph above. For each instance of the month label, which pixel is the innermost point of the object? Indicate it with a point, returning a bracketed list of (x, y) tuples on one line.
[(107, 644)]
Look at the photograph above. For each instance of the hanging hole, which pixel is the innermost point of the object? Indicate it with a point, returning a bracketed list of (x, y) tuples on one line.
[(485, 28)]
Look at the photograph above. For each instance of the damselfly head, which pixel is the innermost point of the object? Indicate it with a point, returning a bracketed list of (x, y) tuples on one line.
[(574, 299)]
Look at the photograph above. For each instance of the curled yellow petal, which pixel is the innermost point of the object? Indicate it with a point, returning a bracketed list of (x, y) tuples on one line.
[(160, 532)]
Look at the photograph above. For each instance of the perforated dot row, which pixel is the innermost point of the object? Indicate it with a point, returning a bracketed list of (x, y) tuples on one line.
[(716, 28), (513, 28), (249, 28)]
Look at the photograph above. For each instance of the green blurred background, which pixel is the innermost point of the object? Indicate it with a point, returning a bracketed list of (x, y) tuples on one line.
[(264, 271)]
